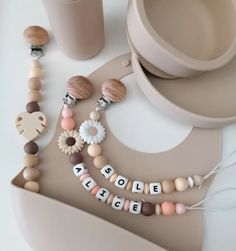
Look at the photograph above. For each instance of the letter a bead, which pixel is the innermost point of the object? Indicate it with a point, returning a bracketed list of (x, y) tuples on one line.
[(118, 202), (80, 169), (102, 195)]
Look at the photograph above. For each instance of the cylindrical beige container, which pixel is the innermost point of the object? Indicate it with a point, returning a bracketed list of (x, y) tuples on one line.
[(77, 25)]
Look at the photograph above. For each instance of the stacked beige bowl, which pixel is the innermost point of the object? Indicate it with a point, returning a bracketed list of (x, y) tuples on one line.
[(184, 58)]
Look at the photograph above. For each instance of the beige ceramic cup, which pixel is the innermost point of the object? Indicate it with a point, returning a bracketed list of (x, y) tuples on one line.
[(77, 25)]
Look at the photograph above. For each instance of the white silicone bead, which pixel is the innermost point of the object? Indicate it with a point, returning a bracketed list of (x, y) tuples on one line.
[(89, 183), (102, 195), (190, 182), (138, 186), (118, 202), (80, 169), (107, 171), (135, 207), (155, 188), (121, 181)]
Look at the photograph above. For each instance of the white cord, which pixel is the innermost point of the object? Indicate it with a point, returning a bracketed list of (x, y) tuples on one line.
[(198, 206)]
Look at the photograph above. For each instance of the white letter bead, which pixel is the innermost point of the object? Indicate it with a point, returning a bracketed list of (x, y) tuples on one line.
[(102, 194), (107, 171), (135, 207), (80, 169), (138, 187), (121, 182), (118, 202), (89, 183), (155, 188)]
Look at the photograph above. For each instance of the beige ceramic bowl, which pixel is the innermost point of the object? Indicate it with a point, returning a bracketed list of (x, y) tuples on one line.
[(181, 37)]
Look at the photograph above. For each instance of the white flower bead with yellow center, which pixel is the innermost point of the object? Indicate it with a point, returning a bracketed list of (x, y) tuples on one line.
[(92, 132)]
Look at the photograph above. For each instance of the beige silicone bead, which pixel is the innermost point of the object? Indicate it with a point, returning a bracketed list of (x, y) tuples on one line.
[(32, 186), (94, 150), (36, 64), (129, 185), (35, 72), (100, 161), (30, 173), (158, 209), (198, 180), (31, 160), (34, 84), (168, 186), (94, 115), (181, 184), (113, 177), (110, 199), (34, 96), (146, 188)]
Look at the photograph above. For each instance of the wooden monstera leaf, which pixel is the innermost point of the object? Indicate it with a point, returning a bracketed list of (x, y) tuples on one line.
[(31, 125)]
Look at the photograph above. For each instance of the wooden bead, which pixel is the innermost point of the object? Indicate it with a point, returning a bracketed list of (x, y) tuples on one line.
[(168, 186), (30, 173), (113, 178), (148, 208), (94, 150), (79, 87), (146, 188), (34, 96), (36, 64), (100, 161), (198, 180), (32, 186), (36, 35), (31, 147), (180, 208), (95, 115), (35, 73), (181, 184), (158, 209), (110, 199), (129, 185), (114, 90), (32, 107), (167, 208), (34, 84), (75, 158), (31, 160)]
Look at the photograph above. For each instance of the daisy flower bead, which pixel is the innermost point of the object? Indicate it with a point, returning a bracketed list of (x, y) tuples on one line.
[(70, 142), (92, 132)]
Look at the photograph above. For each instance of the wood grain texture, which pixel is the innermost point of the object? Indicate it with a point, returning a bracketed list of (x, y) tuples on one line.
[(35, 35), (114, 90)]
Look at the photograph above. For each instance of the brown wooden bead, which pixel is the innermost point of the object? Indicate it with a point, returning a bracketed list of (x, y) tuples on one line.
[(34, 84), (30, 173), (148, 208), (32, 107), (168, 186), (79, 87), (36, 35), (75, 158), (32, 186), (114, 90), (31, 147), (31, 160)]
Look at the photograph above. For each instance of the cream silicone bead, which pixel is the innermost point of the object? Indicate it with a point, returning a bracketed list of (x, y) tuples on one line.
[(100, 161), (181, 184), (94, 150), (35, 72), (113, 177), (129, 185), (94, 115), (32, 186), (157, 209), (110, 199), (146, 188)]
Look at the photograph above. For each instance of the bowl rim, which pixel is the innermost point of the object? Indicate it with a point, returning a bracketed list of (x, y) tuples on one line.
[(175, 54)]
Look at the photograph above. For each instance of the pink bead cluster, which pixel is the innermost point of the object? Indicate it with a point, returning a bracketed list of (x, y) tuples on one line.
[(67, 123)]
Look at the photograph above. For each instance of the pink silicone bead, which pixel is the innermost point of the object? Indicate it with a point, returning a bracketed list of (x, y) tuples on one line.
[(95, 190), (126, 205), (67, 112), (180, 208), (84, 176), (67, 124), (167, 208)]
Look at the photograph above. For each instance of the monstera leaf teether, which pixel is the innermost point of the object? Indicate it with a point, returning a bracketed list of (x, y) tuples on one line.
[(31, 125)]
